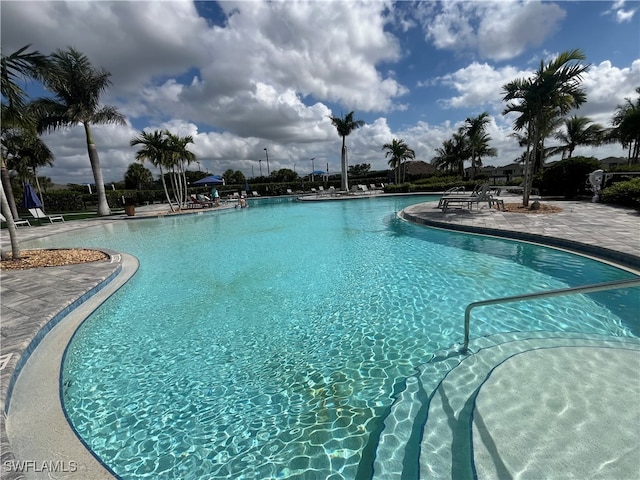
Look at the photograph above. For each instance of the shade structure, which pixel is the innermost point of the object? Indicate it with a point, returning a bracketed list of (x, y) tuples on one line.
[(210, 180), (30, 198), (318, 172)]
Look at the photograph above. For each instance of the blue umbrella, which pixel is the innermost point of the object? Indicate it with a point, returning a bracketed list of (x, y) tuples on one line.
[(318, 172), (246, 186), (210, 180), (29, 197)]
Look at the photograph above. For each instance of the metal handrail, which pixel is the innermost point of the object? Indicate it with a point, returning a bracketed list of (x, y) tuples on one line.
[(597, 287)]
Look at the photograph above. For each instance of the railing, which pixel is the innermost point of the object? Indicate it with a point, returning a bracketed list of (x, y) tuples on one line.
[(597, 287)]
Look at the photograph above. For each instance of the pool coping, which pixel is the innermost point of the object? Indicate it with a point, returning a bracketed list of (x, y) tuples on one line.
[(36, 426)]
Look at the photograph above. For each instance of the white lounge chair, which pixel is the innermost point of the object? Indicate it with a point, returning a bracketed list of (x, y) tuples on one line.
[(289, 192), (18, 222), (255, 194), (38, 214)]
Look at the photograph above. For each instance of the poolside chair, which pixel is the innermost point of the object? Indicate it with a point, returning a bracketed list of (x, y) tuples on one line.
[(289, 192), (255, 194), (469, 200), (18, 222), (38, 214)]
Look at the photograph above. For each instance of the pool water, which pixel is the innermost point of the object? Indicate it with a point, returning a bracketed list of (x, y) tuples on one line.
[(268, 342)]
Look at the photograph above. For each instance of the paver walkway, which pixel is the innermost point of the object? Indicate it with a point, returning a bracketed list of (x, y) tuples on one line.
[(31, 299)]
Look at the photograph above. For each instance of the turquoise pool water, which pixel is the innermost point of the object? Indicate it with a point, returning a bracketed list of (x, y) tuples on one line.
[(268, 342)]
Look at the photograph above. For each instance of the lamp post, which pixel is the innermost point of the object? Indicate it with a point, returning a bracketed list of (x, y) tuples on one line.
[(260, 163), (313, 167), (267, 153)]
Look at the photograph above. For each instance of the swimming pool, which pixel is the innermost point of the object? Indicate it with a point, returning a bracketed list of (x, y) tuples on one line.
[(268, 342)]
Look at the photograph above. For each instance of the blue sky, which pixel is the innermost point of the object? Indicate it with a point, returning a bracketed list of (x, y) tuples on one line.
[(243, 76)]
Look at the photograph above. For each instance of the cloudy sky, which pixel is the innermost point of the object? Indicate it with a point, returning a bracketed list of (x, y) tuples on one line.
[(244, 76)]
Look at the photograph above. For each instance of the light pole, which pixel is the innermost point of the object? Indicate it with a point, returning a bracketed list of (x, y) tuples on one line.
[(313, 167), (260, 163), (267, 153), (294, 168)]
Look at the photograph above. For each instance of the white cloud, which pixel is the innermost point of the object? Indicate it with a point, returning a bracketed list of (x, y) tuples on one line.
[(479, 85), (621, 14), (496, 30)]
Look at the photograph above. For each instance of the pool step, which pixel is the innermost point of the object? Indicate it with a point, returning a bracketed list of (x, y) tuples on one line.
[(429, 432)]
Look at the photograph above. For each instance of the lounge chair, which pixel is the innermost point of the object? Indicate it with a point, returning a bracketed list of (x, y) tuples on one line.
[(289, 192), (38, 214), (469, 200), (255, 194), (18, 222)]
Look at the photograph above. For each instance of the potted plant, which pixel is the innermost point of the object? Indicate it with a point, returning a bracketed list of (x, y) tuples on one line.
[(129, 206)]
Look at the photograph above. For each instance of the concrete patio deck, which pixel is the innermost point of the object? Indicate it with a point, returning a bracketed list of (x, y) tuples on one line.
[(32, 301)]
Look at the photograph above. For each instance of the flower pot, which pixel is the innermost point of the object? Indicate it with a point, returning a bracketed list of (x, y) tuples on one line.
[(130, 210)]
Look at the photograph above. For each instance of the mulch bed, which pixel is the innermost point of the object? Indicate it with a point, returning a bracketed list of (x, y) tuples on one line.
[(51, 258), (543, 208)]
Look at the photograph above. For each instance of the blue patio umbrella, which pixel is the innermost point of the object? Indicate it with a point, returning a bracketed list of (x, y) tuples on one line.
[(318, 172), (246, 186), (30, 198), (210, 180)]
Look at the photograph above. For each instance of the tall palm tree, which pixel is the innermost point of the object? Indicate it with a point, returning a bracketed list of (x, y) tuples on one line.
[(626, 123), (16, 116), (577, 131), (345, 126), (154, 148), (180, 156), (77, 86), (19, 65), (553, 90), (399, 153)]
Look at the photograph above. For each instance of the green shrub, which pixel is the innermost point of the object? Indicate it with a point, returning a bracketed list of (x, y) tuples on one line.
[(623, 193), (568, 177)]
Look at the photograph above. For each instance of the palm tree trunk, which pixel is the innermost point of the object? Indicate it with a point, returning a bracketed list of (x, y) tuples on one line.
[(11, 226), (526, 192), (166, 192), (345, 180), (6, 184), (103, 205)]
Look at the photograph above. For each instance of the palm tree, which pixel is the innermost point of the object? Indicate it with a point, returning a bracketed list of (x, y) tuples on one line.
[(399, 153), (155, 149), (577, 131), (452, 155), (77, 86), (553, 90), (137, 175), (25, 153), (179, 157), (20, 65), (626, 123), (477, 139), (345, 126)]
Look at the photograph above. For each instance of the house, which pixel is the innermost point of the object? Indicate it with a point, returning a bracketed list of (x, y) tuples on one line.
[(418, 169), (611, 162)]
